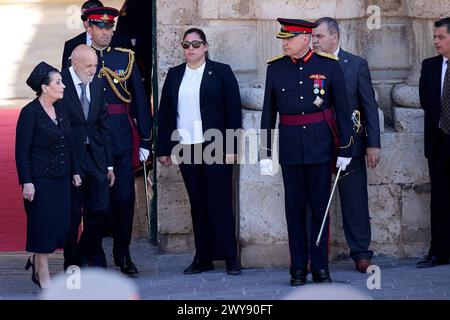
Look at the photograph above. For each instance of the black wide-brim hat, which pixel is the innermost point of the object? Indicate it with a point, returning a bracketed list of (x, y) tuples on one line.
[(103, 17), (37, 76), (293, 27)]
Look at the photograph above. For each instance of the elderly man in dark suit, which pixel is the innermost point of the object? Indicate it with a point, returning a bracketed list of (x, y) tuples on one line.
[(85, 105), (434, 89), (353, 186), (119, 40)]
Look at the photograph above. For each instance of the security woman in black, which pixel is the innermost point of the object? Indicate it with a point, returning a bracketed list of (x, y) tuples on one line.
[(45, 165), (197, 96)]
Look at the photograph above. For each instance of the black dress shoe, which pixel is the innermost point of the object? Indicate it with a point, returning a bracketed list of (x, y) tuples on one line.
[(198, 267), (127, 266), (298, 277), (321, 276), (233, 267), (431, 261)]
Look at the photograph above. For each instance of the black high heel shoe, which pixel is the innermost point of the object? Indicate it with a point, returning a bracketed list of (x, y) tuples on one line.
[(34, 275)]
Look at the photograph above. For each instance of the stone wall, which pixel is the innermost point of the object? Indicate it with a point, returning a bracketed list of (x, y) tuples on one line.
[(242, 34)]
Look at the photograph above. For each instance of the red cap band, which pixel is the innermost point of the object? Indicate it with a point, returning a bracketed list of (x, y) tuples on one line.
[(297, 29), (101, 17)]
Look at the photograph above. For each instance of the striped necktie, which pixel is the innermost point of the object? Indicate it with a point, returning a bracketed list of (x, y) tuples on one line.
[(444, 120)]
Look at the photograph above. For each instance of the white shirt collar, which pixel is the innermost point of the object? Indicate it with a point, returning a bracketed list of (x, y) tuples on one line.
[(75, 78), (445, 60), (336, 53), (198, 70), (88, 39)]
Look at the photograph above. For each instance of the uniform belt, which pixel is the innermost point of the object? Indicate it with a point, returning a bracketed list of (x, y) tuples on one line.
[(304, 119), (117, 108)]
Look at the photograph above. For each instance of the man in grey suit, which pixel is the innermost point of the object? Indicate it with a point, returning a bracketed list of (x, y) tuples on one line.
[(353, 185)]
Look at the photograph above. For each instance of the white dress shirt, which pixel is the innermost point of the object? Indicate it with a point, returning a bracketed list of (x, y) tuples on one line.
[(336, 53), (444, 70), (88, 39), (189, 120), (77, 82)]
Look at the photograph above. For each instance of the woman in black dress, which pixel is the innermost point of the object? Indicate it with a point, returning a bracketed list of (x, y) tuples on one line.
[(45, 164)]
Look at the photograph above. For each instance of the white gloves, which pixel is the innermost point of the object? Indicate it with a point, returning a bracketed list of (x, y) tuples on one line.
[(143, 154), (266, 167), (343, 162)]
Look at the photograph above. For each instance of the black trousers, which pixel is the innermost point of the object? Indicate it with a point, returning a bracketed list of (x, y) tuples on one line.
[(122, 205), (307, 185), (439, 166), (355, 209), (90, 201), (209, 187)]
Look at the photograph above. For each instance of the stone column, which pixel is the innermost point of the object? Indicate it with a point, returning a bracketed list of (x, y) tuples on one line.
[(408, 116)]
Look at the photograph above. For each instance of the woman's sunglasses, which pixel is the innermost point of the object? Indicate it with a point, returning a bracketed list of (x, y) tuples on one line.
[(195, 44)]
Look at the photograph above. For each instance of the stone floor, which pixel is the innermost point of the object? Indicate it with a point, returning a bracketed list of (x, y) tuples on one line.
[(161, 278)]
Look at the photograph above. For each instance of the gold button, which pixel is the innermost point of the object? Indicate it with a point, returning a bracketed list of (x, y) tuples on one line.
[(303, 113), (304, 127), (301, 98), (301, 82), (301, 68)]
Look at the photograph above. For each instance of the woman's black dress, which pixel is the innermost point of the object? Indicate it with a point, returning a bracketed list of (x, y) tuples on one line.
[(44, 157)]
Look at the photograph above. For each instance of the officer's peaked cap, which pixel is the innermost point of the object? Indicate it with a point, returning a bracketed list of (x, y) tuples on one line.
[(102, 17), (292, 27)]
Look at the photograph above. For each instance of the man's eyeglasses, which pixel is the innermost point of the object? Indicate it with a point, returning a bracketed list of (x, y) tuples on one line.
[(195, 44)]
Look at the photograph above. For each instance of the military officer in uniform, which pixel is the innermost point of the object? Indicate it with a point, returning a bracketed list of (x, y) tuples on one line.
[(307, 90), (130, 124)]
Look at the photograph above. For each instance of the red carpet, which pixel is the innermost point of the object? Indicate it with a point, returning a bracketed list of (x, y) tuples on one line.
[(12, 213)]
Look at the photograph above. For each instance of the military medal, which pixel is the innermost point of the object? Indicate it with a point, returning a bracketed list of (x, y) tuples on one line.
[(316, 87), (319, 82), (318, 102), (116, 81)]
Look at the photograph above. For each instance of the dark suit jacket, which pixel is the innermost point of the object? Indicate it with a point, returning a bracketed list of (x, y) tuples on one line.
[(361, 96), (95, 128), (118, 40), (42, 148), (430, 100), (220, 103)]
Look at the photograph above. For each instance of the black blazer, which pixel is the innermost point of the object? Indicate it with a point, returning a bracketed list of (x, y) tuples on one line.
[(361, 96), (95, 128), (118, 40), (430, 100), (42, 148), (220, 103)]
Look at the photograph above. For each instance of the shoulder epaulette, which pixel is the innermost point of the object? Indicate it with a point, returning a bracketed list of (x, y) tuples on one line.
[(124, 50), (327, 55), (278, 57)]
